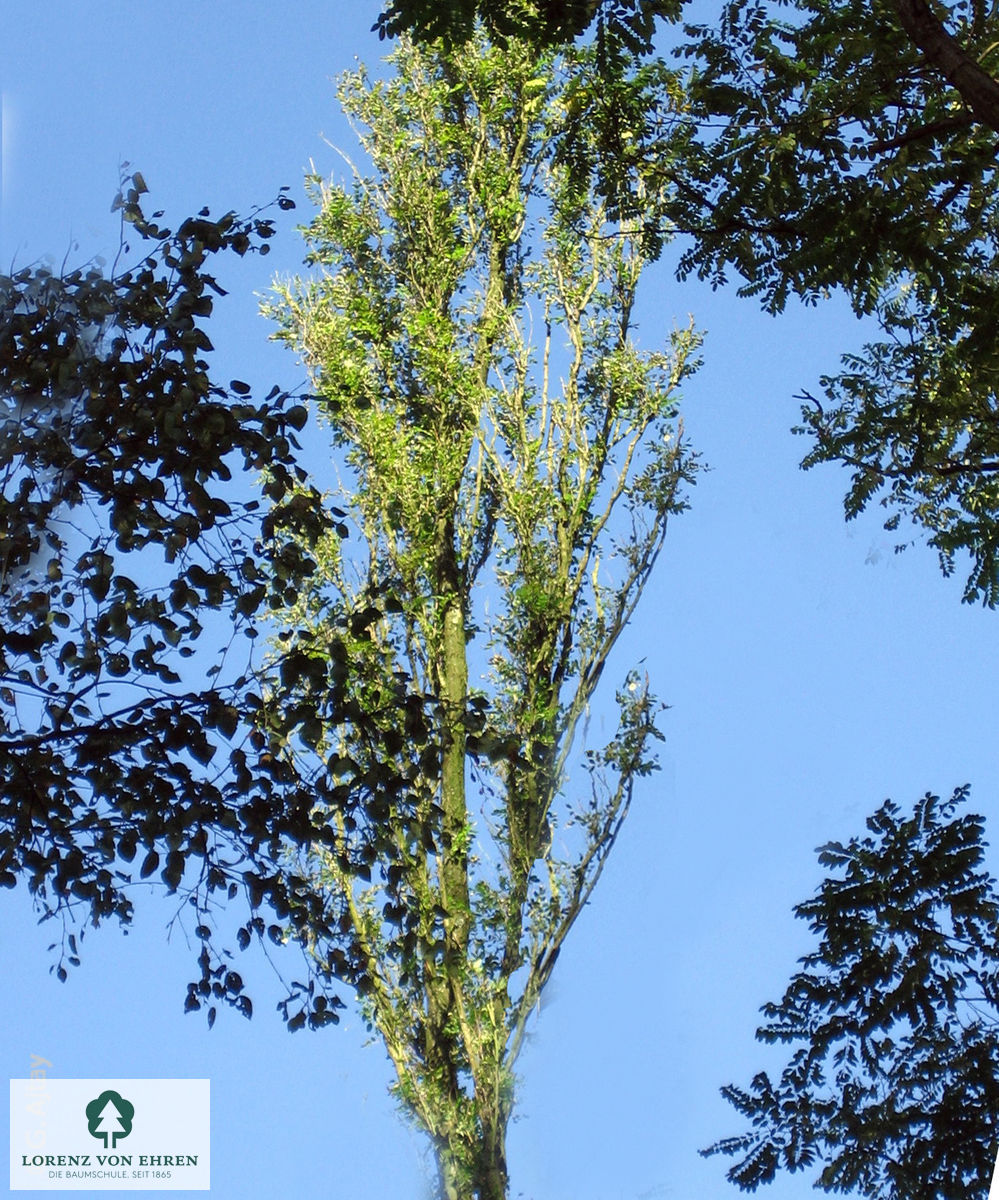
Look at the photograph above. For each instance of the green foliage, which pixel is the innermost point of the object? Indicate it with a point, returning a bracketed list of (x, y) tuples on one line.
[(510, 462), (819, 145), (833, 155), (618, 101), (894, 1081), (630, 23), (914, 418), (126, 544), (852, 146)]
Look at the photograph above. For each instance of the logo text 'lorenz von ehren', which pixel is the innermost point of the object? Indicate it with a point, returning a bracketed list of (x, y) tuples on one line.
[(110, 1116), (111, 1135)]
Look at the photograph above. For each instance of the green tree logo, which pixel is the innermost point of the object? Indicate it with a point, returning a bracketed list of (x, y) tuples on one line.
[(110, 1117)]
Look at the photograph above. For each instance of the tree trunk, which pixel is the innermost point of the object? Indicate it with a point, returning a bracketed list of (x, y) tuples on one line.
[(493, 1181), (484, 1179), (449, 1175), (977, 87)]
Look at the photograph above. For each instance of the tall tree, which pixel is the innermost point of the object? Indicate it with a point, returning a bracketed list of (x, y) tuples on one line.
[(510, 460), (835, 145), (893, 1084)]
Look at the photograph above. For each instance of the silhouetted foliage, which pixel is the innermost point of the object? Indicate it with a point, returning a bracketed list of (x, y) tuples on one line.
[(851, 146), (131, 564), (629, 23), (893, 1085)]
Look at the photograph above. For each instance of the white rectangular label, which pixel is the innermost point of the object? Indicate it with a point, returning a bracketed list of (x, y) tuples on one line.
[(994, 1189), (109, 1135)]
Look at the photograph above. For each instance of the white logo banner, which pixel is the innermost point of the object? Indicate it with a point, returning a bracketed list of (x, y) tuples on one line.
[(109, 1135)]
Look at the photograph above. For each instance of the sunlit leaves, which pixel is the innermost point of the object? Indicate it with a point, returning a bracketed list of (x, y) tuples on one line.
[(510, 461)]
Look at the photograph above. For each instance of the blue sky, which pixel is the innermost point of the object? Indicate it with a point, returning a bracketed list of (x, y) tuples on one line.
[(810, 671)]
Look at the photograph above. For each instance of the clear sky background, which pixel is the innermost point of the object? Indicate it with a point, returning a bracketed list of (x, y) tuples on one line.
[(811, 672)]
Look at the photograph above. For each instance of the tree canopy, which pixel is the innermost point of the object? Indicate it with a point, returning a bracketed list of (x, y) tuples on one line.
[(852, 146), (133, 558), (830, 146), (630, 23), (893, 1085), (510, 461)]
